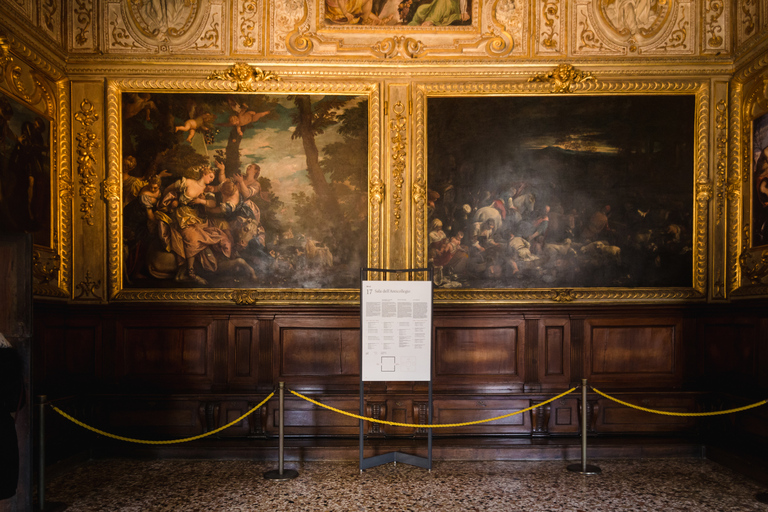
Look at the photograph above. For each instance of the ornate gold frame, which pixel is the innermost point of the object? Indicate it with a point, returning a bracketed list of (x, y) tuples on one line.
[(567, 80), (242, 78), (51, 264)]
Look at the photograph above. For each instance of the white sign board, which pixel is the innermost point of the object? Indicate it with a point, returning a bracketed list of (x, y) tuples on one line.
[(397, 329)]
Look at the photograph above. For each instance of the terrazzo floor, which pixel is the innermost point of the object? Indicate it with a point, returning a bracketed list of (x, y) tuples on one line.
[(695, 485)]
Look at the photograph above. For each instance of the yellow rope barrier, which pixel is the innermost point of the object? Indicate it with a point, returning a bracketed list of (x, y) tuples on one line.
[(140, 441), (666, 413), (412, 425)]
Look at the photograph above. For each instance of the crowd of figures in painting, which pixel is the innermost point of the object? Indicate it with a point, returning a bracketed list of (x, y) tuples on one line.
[(229, 191), (529, 192)]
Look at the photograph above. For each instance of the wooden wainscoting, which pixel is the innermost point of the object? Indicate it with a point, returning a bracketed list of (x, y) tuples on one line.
[(172, 371)]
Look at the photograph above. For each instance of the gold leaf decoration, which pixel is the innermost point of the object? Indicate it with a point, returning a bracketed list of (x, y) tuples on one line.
[(87, 142), (397, 128), (563, 78), (244, 76)]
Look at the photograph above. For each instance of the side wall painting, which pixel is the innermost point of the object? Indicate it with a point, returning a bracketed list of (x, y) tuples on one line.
[(760, 181), (577, 191), (244, 190), (25, 171)]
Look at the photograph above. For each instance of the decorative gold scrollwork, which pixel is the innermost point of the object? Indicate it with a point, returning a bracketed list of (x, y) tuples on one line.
[(243, 298), (244, 76), (87, 142), (565, 295), (391, 47), (88, 287), (563, 78), (397, 128), (758, 270)]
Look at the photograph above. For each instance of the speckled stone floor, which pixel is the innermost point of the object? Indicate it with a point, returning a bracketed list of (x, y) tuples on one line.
[(695, 485)]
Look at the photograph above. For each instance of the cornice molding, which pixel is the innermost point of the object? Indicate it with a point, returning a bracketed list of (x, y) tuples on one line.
[(42, 54)]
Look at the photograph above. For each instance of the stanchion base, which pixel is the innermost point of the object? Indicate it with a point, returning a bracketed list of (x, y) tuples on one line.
[(52, 506), (288, 474), (579, 468), (762, 497)]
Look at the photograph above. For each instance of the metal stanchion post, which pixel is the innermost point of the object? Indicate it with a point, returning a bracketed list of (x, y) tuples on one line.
[(281, 473), (584, 468), (42, 401)]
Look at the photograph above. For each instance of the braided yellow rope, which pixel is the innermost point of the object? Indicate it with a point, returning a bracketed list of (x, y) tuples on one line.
[(172, 441), (666, 413), (412, 425)]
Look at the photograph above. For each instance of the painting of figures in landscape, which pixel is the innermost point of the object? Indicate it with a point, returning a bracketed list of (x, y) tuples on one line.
[(760, 181), (543, 192), (412, 13), (25, 171), (244, 190)]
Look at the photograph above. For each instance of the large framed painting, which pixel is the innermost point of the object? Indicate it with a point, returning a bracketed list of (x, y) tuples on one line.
[(564, 196), (25, 171), (241, 194), (759, 161)]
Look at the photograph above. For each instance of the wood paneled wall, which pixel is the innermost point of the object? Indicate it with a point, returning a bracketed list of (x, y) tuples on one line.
[(173, 370)]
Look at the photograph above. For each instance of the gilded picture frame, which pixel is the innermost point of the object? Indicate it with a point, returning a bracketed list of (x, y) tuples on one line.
[(285, 245), (499, 285)]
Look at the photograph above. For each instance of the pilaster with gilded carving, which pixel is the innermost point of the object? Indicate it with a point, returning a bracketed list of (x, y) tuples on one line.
[(721, 197), (87, 107), (397, 174)]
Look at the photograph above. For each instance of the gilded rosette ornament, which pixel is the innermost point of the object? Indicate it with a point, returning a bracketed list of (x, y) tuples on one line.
[(563, 78), (244, 77)]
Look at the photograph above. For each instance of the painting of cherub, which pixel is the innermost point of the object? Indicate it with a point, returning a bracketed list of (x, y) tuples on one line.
[(244, 190)]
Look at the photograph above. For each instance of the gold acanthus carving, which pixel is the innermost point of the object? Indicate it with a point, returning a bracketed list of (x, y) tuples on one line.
[(748, 8), (49, 8), (40, 92), (714, 9), (551, 15), (210, 38), (5, 53), (83, 10), (87, 142), (721, 124), (398, 45), (249, 14), (244, 77), (678, 36), (397, 130), (563, 78)]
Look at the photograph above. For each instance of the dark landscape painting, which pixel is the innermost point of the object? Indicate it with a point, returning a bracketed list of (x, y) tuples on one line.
[(25, 171), (244, 190), (543, 192)]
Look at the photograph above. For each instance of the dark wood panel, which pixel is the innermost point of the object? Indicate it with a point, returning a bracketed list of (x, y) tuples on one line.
[(614, 417), (554, 357), (452, 411), (486, 353), (317, 353), (243, 351), (634, 352), (728, 353), (304, 418), (172, 355)]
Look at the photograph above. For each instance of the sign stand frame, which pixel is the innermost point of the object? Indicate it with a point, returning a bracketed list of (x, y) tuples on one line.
[(395, 457)]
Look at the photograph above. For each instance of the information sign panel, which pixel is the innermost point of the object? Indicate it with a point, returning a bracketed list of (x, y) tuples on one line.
[(396, 330)]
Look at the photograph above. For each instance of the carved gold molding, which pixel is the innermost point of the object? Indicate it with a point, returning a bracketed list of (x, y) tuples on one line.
[(564, 78), (398, 131), (87, 142), (65, 185), (244, 77)]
